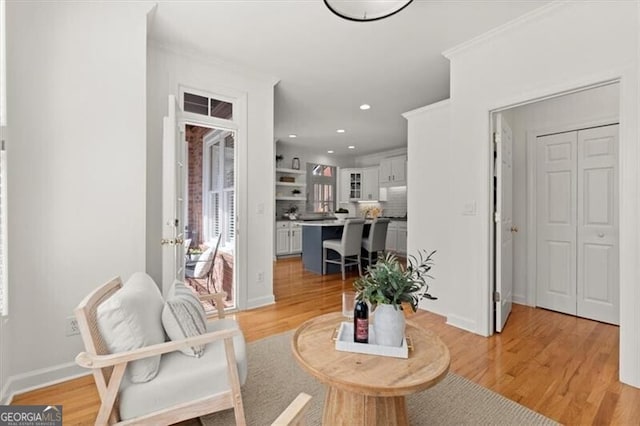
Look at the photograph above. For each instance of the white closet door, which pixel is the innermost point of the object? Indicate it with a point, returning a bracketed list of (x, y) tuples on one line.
[(556, 198), (598, 288)]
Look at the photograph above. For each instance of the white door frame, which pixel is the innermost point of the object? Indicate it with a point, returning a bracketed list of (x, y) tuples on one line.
[(531, 163), (239, 125), (615, 76)]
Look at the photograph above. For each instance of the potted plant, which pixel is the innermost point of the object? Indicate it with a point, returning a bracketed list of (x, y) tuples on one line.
[(387, 285), (292, 212), (341, 214)]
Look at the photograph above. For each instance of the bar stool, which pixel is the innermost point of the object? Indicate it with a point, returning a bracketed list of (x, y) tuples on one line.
[(347, 247), (377, 239)]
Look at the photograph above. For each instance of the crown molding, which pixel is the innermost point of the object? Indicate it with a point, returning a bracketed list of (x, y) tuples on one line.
[(430, 107), (495, 32), (208, 59)]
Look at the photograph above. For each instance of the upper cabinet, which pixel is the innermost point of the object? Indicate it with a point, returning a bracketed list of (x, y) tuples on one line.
[(393, 171), (370, 185), (359, 185)]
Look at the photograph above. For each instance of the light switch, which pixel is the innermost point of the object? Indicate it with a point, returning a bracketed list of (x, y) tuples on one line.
[(260, 208)]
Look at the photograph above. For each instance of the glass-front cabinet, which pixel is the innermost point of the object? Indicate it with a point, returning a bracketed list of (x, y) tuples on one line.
[(355, 185)]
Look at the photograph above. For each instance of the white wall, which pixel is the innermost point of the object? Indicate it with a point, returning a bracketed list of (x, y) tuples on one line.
[(428, 198), (76, 122), (570, 112), (537, 57), (167, 71)]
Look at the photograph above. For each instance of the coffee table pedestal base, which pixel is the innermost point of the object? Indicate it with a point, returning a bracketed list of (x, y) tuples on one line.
[(347, 408)]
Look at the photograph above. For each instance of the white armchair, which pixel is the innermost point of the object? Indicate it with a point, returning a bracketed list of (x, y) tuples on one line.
[(143, 379)]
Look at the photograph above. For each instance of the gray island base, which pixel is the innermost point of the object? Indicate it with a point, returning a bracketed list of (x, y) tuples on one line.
[(313, 234)]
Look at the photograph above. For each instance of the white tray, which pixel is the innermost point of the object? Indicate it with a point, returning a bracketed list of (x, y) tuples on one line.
[(345, 343)]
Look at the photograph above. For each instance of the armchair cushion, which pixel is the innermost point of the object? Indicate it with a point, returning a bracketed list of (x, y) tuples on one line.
[(183, 316), (131, 319), (184, 379), (204, 263)]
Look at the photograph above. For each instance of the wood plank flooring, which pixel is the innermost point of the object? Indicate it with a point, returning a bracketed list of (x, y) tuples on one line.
[(561, 366)]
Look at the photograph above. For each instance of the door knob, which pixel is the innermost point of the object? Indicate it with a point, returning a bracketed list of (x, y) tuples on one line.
[(514, 228), (600, 234), (167, 241)]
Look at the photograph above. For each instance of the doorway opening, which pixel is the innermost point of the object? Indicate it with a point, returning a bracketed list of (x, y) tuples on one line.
[(210, 225), (555, 197)]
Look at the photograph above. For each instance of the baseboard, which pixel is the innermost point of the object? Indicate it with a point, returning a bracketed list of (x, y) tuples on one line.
[(463, 323), (432, 306), (261, 301), (40, 378), (520, 300)]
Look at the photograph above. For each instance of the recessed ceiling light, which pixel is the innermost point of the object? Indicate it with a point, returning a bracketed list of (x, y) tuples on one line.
[(351, 147), (365, 106), (340, 130), (330, 151), (293, 136)]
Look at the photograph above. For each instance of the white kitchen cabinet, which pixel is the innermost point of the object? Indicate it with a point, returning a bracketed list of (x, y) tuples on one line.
[(359, 185), (370, 184), (397, 237), (393, 171), (295, 240), (401, 238), (288, 238), (392, 237)]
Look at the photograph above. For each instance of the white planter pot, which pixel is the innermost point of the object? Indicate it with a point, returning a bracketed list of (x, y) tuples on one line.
[(388, 325)]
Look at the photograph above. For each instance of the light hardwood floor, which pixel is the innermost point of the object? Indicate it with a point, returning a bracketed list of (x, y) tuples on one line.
[(561, 366)]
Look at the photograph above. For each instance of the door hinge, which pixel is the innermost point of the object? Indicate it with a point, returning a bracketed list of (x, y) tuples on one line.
[(496, 296), (496, 217)]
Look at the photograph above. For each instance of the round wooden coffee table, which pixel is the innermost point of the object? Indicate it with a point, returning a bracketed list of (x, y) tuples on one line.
[(368, 389)]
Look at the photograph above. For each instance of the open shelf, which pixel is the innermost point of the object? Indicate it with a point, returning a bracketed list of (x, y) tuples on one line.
[(290, 184), (292, 198), (291, 171)]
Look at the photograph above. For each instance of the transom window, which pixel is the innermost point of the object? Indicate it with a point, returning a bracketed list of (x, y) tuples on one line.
[(207, 105)]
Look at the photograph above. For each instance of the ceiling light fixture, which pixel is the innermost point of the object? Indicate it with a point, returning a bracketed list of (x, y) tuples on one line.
[(366, 10), (351, 147), (330, 151), (340, 131), (365, 106), (293, 136)]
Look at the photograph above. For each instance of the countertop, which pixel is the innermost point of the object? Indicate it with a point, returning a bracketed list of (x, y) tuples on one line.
[(328, 222)]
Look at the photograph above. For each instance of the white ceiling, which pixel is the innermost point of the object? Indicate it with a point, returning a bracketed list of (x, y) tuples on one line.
[(327, 66)]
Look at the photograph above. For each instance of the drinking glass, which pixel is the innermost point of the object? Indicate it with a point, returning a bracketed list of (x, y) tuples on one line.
[(348, 303)]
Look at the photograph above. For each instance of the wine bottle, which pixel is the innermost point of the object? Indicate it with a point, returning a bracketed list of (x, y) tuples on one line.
[(361, 322)]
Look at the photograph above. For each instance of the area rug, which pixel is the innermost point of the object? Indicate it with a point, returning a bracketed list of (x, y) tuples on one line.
[(274, 380)]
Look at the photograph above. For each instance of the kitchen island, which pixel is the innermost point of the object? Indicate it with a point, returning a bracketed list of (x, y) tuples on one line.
[(313, 234)]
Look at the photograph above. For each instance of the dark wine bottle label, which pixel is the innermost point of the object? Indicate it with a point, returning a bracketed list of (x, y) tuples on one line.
[(362, 330)]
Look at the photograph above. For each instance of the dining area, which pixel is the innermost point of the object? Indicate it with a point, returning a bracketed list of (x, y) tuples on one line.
[(331, 246)]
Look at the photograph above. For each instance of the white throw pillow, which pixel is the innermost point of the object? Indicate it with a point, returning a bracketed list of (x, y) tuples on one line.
[(183, 316), (204, 262), (132, 318)]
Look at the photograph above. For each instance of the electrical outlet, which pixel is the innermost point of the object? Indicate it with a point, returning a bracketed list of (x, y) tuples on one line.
[(71, 327), (260, 277)]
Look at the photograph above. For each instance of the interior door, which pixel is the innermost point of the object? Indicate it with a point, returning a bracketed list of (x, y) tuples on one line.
[(504, 220), (598, 288), (556, 193), (173, 191)]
